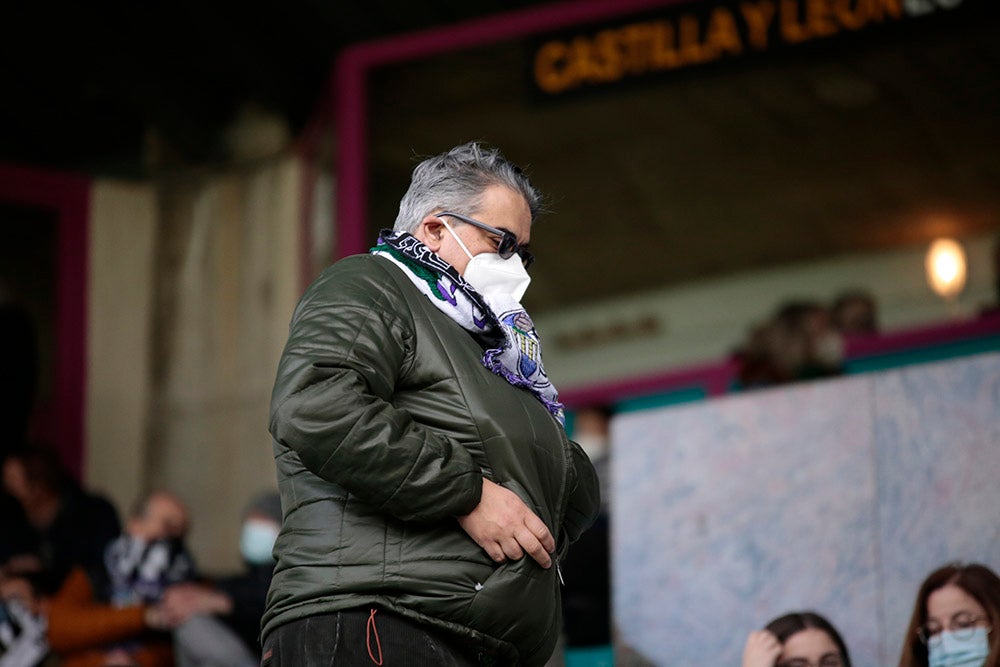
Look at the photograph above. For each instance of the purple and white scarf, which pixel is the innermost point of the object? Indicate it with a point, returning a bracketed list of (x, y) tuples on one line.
[(512, 349)]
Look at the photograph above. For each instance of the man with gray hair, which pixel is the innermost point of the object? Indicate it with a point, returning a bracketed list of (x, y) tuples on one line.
[(428, 486)]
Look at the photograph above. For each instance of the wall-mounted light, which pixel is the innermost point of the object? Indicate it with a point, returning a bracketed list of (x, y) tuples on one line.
[(946, 268)]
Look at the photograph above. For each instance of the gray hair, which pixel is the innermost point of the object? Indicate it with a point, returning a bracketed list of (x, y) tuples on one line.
[(456, 180)]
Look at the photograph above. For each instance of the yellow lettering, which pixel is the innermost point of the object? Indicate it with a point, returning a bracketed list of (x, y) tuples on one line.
[(579, 59), (552, 71), (665, 44), (635, 41), (852, 20), (893, 8), (663, 48), (819, 18), (721, 35), (792, 31), (606, 60), (690, 40), (758, 18)]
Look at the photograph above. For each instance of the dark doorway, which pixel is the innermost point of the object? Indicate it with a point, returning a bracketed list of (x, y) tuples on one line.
[(28, 275)]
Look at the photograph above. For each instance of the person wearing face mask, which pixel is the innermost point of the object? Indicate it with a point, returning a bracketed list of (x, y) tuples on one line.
[(955, 620), (428, 486), (586, 595), (117, 617), (219, 621), (150, 555)]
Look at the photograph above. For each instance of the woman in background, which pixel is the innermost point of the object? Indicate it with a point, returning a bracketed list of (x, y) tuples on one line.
[(956, 619), (799, 639)]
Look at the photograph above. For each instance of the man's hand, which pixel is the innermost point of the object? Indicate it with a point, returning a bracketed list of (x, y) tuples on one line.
[(505, 528), (762, 649)]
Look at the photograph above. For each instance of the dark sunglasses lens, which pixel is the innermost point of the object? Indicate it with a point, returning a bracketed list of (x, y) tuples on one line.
[(508, 245)]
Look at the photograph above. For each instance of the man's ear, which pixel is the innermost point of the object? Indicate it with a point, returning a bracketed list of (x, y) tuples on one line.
[(431, 232)]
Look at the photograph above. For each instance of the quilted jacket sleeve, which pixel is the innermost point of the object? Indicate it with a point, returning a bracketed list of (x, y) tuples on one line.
[(584, 497), (350, 341)]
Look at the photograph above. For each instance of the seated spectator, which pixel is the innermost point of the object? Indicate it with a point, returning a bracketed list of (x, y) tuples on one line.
[(854, 313), (235, 603), (86, 631), (993, 308), (150, 555), (19, 537), (591, 430), (22, 626), (799, 639), (758, 362), (586, 593), (955, 620), (116, 618), (797, 343), (71, 526)]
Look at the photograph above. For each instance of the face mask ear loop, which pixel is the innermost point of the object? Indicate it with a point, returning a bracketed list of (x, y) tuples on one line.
[(452, 231)]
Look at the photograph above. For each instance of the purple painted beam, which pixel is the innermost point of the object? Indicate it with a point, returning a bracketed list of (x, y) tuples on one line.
[(67, 196)]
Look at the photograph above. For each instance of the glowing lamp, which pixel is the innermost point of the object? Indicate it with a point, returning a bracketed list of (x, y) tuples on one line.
[(945, 266)]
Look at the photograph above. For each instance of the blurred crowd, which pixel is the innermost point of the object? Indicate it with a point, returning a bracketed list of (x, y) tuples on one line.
[(80, 587), (804, 339), (955, 622)]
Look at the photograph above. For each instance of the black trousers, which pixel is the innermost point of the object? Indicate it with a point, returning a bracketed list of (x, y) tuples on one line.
[(371, 636)]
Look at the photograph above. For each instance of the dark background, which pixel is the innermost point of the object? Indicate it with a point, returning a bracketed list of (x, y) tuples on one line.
[(847, 145)]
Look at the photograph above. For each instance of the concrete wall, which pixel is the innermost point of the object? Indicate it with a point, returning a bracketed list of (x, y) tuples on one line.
[(123, 222), (193, 281)]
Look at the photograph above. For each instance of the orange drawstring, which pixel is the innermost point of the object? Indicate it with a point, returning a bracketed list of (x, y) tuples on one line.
[(368, 638)]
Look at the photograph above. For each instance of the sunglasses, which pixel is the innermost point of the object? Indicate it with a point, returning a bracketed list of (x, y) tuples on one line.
[(508, 242)]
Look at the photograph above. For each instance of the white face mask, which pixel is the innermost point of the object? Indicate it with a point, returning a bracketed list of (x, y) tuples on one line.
[(492, 275)]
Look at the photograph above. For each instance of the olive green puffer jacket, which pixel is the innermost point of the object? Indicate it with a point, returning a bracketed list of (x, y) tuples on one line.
[(384, 423)]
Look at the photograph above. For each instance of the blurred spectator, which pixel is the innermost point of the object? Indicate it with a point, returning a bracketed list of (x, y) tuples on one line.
[(586, 593), (22, 635), (758, 365), (150, 556), (854, 313), (23, 640), (798, 342), (591, 430), (85, 631), (994, 308), (819, 348), (996, 269), (213, 616), (18, 536), (116, 618), (955, 619), (799, 639), (71, 526)]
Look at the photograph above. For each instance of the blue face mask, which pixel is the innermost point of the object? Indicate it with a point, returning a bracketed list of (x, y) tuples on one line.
[(257, 541), (969, 651)]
